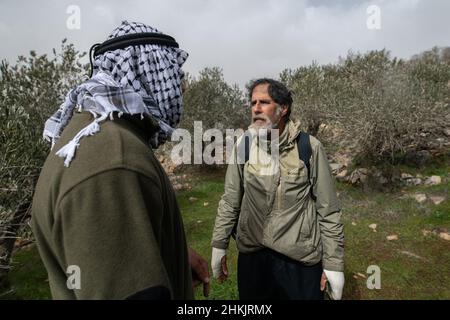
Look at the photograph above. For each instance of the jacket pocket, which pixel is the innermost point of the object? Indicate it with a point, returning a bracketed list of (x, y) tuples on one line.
[(294, 190)]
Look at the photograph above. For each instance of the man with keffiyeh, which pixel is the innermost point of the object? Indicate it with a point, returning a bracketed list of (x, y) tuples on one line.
[(103, 203)]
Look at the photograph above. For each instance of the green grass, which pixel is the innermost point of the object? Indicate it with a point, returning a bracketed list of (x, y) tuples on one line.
[(439, 166), (199, 222), (402, 276), (413, 267), (28, 277)]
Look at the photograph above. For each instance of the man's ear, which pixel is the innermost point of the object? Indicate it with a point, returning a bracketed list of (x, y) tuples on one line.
[(284, 110)]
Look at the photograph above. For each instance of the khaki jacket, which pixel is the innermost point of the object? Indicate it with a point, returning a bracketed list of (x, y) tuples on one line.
[(277, 211)]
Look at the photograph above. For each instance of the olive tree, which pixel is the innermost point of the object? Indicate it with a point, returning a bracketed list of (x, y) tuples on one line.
[(30, 91)]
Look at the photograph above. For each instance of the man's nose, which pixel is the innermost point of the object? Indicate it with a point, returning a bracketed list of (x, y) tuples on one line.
[(257, 107)]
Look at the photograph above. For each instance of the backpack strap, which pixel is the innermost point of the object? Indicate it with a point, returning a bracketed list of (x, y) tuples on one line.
[(243, 148), (304, 153), (247, 145)]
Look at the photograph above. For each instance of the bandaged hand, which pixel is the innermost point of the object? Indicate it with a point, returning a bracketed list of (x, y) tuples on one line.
[(219, 264), (336, 280)]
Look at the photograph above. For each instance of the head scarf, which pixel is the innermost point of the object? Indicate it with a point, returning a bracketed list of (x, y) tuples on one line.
[(142, 79)]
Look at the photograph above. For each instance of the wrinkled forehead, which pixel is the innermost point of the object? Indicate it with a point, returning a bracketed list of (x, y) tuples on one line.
[(261, 91)]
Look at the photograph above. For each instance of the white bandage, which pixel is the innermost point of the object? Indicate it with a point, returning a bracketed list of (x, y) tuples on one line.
[(336, 280), (216, 261)]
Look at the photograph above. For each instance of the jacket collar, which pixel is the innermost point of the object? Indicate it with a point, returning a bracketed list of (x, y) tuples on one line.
[(289, 135), (144, 128)]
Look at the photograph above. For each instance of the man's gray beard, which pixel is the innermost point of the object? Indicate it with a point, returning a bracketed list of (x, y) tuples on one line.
[(264, 132), (269, 124)]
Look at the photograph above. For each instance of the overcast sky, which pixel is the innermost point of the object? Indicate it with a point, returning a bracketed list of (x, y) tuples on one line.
[(246, 38)]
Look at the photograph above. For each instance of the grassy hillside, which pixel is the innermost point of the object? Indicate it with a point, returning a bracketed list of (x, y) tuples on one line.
[(416, 266)]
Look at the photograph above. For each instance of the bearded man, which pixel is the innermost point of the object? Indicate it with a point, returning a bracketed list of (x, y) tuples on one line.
[(287, 219)]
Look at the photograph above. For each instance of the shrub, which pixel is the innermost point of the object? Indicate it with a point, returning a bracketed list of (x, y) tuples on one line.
[(384, 108), (30, 92)]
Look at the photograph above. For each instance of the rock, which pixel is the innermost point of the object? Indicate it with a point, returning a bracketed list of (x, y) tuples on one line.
[(406, 176), (177, 186), (373, 226), (205, 204), (437, 200), (364, 171), (392, 237), (410, 179), (433, 180), (361, 275), (360, 175), (192, 199), (342, 176), (426, 233), (342, 158), (382, 180), (420, 197), (354, 223), (414, 182), (335, 167), (447, 132), (199, 221), (444, 235), (439, 230)]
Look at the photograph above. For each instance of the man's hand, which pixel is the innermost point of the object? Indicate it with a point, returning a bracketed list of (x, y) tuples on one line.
[(219, 264), (323, 281), (336, 280), (200, 272)]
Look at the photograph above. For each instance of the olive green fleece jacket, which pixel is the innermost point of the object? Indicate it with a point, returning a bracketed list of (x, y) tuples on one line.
[(276, 211), (112, 213)]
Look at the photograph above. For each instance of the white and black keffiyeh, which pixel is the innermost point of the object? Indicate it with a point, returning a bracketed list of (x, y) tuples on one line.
[(143, 79)]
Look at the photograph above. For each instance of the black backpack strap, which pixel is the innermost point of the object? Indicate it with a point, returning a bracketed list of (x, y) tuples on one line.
[(243, 149), (304, 153), (246, 144)]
